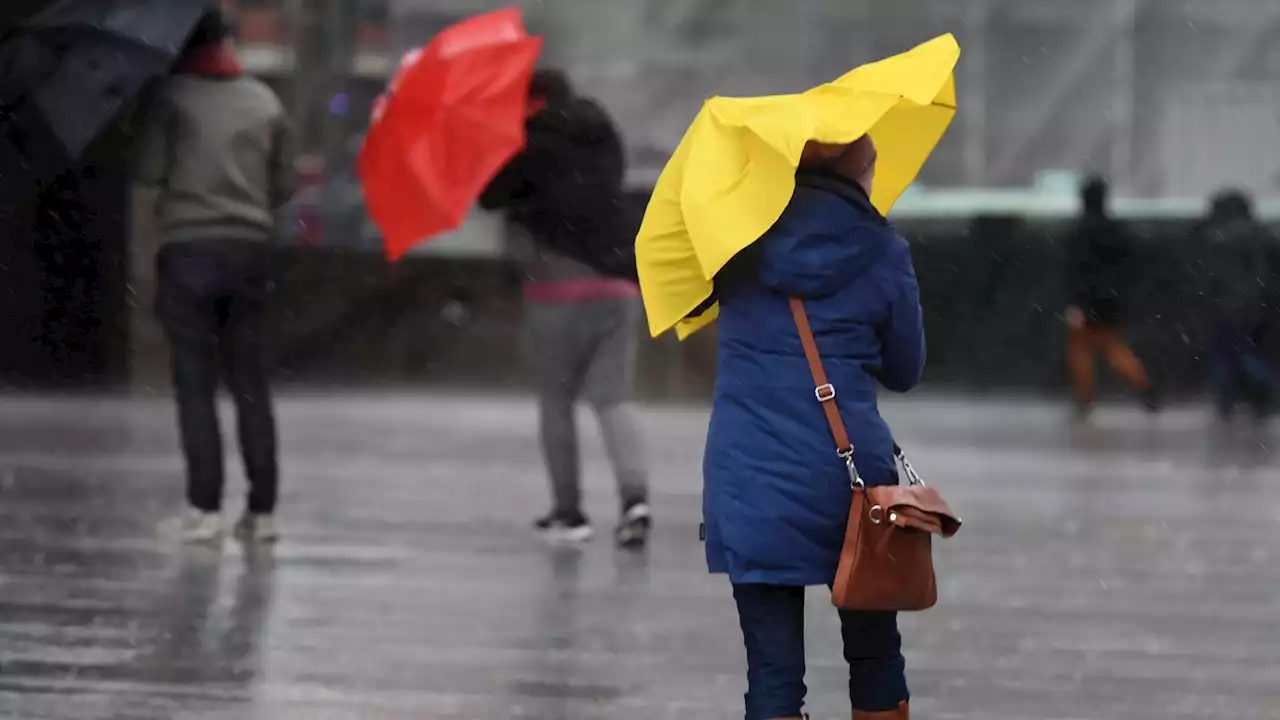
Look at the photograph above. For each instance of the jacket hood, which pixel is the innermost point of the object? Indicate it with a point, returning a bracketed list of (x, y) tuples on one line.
[(211, 60), (1093, 198), (1231, 207), (828, 236)]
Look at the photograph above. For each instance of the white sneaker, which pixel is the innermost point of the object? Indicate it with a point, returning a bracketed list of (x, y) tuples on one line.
[(564, 530), (257, 528), (195, 527)]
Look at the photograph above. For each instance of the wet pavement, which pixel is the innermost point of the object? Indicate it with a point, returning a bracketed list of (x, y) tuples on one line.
[(1127, 570)]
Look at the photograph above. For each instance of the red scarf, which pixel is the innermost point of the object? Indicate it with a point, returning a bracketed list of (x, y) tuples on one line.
[(214, 60)]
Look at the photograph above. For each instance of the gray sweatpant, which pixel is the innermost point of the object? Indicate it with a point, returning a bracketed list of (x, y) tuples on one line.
[(586, 350)]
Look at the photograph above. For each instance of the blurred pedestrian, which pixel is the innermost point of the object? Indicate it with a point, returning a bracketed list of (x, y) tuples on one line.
[(1100, 263), (1238, 252), (775, 497), (219, 150), (579, 329)]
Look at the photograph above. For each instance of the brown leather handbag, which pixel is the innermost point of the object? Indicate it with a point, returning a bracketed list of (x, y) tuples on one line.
[(886, 562)]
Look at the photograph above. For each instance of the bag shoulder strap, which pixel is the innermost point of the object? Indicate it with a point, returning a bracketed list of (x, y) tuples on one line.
[(823, 390), (825, 393)]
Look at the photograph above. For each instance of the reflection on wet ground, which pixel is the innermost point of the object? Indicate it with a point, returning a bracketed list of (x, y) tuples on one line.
[(1127, 569)]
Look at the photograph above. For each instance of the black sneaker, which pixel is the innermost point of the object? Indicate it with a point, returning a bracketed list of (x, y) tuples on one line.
[(1261, 410), (633, 529), (1081, 411), (564, 528), (1151, 401)]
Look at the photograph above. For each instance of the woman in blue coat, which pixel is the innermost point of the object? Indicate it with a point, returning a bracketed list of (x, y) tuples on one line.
[(775, 495)]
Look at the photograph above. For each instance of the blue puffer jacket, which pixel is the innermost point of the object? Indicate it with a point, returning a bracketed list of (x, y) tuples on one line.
[(775, 494)]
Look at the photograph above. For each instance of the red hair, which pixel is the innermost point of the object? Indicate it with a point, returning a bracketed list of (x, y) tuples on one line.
[(857, 156)]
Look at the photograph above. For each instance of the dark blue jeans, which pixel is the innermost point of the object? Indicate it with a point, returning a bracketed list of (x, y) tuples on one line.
[(772, 618), (211, 301), (1238, 369)]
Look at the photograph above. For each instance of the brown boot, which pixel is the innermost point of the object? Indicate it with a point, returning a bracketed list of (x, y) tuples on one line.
[(902, 713)]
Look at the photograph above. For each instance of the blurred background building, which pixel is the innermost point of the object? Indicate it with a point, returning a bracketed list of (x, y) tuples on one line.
[(1167, 97), (1172, 99)]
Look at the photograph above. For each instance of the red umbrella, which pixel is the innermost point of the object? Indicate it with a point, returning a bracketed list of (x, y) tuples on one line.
[(452, 117)]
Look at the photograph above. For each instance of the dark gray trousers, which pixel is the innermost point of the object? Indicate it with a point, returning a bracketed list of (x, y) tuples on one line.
[(586, 351)]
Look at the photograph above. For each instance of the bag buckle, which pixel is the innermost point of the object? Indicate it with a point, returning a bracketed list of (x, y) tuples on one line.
[(913, 478), (825, 392), (855, 480)]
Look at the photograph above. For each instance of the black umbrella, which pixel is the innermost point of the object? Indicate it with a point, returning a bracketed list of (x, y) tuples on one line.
[(67, 71), (16, 12)]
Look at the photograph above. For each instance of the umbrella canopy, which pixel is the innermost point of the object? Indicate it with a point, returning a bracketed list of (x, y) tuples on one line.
[(16, 12), (67, 71), (734, 172), (453, 116)]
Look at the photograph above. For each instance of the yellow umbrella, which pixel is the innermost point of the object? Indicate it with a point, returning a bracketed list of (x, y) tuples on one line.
[(734, 172)]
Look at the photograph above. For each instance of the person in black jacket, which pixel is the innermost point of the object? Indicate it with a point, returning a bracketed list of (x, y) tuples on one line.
[(565, 188), (582, 311), (1237, 251), (1099, 261)]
